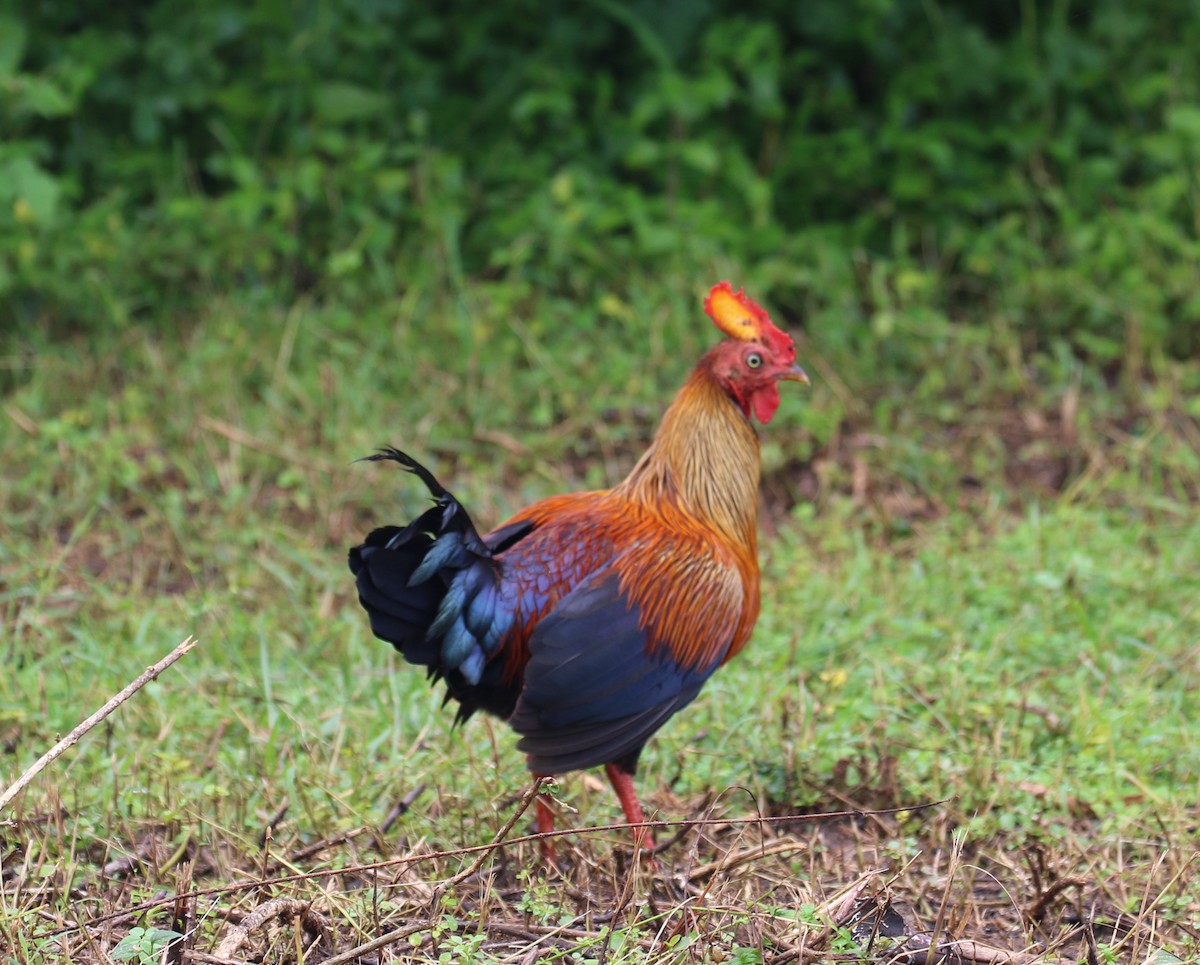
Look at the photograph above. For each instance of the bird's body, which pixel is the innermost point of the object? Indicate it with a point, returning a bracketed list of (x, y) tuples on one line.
[(587, 620)]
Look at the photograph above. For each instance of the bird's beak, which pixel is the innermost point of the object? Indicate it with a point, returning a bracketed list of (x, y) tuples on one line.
[(794, 374)]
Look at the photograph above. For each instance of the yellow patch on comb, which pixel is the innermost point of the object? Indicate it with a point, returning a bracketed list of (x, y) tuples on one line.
[(735, 314), (739, 317)]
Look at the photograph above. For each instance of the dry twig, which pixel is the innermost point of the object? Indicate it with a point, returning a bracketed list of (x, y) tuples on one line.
[(402, 808), (919, 950), (735, 858), (77, 734), (238, 935), (375, 944), (207, 959), (411, 929), (1037, 911), (127, 863)]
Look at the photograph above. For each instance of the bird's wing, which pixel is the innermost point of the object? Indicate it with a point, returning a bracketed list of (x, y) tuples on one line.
[(598, 684)]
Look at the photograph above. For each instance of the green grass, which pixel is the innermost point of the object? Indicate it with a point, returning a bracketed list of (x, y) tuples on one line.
[(1025, 661)]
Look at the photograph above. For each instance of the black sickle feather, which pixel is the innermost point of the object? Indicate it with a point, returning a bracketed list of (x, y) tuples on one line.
[(409, 464), (425, 586)]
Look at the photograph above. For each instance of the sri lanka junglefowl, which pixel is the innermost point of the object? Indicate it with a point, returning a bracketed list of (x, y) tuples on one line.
[(588, 620)]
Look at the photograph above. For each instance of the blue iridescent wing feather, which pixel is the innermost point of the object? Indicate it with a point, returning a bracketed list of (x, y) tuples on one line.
[(592, 693)]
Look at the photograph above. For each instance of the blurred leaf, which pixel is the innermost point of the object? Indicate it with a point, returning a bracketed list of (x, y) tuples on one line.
[(44, 97), (1160, 956), (12, 44), (338, 102), (649, 41), (1184, 119), (701, 155), (32, 193)]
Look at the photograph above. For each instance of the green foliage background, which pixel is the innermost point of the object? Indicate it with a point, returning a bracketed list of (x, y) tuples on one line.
[(874, 168)]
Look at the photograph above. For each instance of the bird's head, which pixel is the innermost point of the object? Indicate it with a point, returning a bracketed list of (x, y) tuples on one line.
[(755, 358)]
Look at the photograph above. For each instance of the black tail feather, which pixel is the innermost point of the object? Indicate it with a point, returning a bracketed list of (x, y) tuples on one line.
[(399, 613), (409, 464), (411, 616)]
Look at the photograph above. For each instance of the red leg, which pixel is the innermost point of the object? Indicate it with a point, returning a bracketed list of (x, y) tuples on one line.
[(545, 825), (622, 783)]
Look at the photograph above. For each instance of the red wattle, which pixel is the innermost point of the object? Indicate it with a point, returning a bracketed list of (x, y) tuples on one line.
[(764, 402)]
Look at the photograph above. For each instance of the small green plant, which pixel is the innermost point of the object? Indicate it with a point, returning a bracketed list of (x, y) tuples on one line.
[(144, 945), (537, 900)]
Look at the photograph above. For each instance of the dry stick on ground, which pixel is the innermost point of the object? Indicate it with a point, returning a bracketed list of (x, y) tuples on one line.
[(381, 942), (183, 920), (402, 808), (705, 805), (276, 908), (76, 735), (733, 859), (919, 950), (268, 831), (206, 959), (1037, 911), (915, 950), (534, 790)]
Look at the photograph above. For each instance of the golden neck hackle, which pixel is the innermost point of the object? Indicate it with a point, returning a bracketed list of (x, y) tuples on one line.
[(704, 459)]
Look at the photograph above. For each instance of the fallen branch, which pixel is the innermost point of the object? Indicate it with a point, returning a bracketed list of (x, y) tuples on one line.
[(276, 908), (268, 831), (402, 808), (1037, 911), (735, 858), (919, 950), (76, 735), (534, 790), (345, 837), (206, 959), (381, 942)]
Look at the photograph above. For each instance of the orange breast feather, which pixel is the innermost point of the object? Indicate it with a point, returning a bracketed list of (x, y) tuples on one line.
[(697, 593)]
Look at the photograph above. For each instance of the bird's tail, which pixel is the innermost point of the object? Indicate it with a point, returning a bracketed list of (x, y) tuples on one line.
[(431, 589)]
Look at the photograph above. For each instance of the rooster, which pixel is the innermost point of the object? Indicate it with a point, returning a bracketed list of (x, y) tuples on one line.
[(589, 619)]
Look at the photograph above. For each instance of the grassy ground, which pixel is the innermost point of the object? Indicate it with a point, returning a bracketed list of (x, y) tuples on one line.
[(982, 609)]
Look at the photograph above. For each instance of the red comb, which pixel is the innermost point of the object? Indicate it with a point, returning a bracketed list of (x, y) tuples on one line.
[(736, 314)]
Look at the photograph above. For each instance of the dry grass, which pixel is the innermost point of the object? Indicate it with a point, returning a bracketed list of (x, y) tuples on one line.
[(866, 886)]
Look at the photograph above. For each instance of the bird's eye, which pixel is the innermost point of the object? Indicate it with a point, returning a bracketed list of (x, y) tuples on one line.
[(754, 360)]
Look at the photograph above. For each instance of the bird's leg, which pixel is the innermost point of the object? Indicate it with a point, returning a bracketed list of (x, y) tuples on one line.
[(545, 824), (622, 782)]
